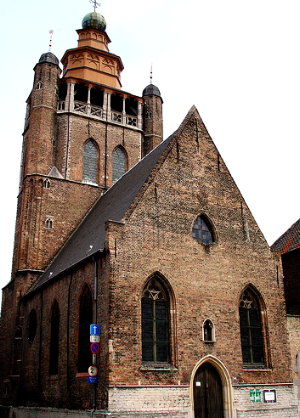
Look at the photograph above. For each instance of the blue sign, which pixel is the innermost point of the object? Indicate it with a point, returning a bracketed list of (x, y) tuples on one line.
[(95, 348), (95, 329), (93, 379)]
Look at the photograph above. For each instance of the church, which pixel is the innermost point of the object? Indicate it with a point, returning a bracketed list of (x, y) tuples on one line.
[(141, 284)]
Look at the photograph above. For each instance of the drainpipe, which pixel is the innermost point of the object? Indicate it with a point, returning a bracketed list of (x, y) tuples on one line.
[(95, 322)]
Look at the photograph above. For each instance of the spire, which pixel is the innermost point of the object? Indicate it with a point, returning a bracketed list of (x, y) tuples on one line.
[(151, 74)]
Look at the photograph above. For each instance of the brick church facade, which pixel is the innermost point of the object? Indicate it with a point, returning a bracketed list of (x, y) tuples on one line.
[(149, 238)]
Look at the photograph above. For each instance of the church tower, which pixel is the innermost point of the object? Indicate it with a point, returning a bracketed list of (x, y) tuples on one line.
[(82, 133)]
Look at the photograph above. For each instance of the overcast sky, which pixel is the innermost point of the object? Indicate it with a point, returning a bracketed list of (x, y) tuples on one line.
[(238, 61)]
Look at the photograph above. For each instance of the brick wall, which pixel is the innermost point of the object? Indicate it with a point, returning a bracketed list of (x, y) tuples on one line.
[(291, 268), (207, 281), (63, 202), (75, 130)]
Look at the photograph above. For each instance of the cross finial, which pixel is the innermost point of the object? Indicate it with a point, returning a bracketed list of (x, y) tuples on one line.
[(95, 4)]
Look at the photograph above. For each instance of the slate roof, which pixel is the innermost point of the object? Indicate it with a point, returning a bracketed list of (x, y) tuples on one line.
[(89, 237), (151, 90), (288, 241)]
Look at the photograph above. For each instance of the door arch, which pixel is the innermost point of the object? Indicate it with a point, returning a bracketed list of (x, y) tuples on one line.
[(211, 389)]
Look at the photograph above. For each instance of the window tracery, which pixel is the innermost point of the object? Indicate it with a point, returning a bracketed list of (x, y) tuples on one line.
[(54, 339), (251, 328), (85, 319), (155, 323), (90, 162), (119, 163), (203, 231)]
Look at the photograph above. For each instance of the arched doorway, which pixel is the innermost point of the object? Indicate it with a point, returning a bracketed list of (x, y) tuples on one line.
[(208, 392)]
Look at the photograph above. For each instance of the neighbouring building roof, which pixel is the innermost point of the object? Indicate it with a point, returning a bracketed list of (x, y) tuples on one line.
[(89, 237), (288, 241)]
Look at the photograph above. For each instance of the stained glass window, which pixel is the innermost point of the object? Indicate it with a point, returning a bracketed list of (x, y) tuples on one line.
[(251, 329), (54, 341), (202, 230), (85, 319), (32, 325), (90, 162), (119, 163), (155, 323)]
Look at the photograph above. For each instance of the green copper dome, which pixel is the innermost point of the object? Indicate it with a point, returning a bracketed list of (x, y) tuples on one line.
[(94, 20)]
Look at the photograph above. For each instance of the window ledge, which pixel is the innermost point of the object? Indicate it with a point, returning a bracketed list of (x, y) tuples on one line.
[(84, 374), (158, 367), (254, 368)]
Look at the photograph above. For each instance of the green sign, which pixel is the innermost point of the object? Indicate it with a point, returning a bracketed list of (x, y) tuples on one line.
[(255, 395)]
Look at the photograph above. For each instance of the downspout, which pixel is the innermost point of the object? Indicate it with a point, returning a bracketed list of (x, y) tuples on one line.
[(95, 322)]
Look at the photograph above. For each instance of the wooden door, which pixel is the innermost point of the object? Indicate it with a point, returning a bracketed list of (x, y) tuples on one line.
[(208, 393)]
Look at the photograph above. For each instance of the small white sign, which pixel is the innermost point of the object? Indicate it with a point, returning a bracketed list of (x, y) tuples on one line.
[(198, 383), (269, 396), (95, 338)]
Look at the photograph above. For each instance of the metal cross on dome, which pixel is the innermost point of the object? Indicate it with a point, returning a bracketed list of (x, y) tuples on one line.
[(95, 4)]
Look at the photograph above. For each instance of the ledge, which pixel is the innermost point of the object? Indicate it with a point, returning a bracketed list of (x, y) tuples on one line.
[(158, 367), (84, 374), (257, 369)]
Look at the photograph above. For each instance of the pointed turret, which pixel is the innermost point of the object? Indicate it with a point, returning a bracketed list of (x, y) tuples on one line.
[(152, 118), (39, 132)]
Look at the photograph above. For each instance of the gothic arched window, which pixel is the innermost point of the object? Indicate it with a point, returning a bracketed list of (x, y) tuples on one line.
[(90, 162), (54, 339), (208, 331), (85, 319), (155, 323), (49, 223), (119, 163), (251, 328), (203, 230), (32, 325)]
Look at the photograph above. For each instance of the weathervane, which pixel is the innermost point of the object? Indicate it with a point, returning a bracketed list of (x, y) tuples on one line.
[(95, 4), (51, 35)]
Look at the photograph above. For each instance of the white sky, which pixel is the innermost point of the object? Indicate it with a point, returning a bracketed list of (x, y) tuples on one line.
[(236, 60)]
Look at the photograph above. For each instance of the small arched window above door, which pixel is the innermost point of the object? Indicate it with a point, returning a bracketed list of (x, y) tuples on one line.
[(119, 163), (203, 230), (208, 331), (90, 162)]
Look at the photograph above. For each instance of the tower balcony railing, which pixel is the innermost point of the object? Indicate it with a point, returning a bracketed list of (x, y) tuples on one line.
[(116, 116), (81, 107), (98, 112), (131, 120)]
